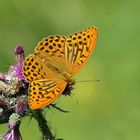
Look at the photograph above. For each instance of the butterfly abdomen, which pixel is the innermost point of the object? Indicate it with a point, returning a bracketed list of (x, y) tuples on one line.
[(69, 87)]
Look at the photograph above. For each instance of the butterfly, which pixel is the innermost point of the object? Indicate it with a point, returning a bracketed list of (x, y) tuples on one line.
[(53, 64)]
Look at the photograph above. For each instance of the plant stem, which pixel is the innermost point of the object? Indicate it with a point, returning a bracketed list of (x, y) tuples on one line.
[(43, 125)]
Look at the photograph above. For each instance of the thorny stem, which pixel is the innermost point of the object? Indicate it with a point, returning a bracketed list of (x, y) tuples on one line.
[(43, 125)]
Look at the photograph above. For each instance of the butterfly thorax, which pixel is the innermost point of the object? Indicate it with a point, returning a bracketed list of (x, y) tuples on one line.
[(67, 76)]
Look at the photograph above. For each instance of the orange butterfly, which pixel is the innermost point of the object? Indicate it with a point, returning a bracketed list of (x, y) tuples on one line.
[(54, 62)]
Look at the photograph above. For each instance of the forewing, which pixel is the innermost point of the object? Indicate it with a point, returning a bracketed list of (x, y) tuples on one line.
[(52, 46), (38, 67), (44, 92), (79, 46), (52, 50), (45, 84), (33, 68), (43, 70)]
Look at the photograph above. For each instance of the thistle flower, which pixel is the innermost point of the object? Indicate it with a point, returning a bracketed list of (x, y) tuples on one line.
[(14, 101), (13, 133), (16, 71), (22, 105), (3, 75), (13, 96)]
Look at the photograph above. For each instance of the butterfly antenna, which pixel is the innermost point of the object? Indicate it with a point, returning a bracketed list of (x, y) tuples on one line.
[(83, 81)]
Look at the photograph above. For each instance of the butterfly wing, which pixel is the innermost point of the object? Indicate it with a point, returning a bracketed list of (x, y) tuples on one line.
[(40, 66), (33, 69), (52, 49), (79, 46), (44, 92), (45, 84), (54, 56)]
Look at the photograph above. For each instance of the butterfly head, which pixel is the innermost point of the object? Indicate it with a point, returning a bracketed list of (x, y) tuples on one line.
[(67, 76)]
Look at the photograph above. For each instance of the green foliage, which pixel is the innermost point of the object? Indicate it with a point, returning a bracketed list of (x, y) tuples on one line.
[(105, 110)]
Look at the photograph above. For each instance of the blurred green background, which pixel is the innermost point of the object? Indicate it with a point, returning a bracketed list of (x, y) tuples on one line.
[(105, 110)]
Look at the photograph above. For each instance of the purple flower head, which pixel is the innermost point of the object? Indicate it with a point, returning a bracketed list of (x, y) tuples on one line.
[(17, 70), (13, 133), (3, 76), (19, 53), (19, 50), (22, 105)]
